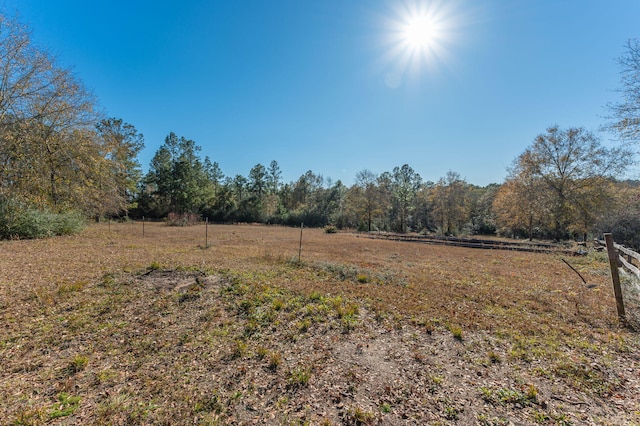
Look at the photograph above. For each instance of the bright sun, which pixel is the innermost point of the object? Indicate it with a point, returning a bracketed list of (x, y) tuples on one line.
[(420, 31), (419, 39)]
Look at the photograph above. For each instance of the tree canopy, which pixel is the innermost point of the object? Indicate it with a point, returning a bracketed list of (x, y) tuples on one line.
[(558, 182), (56, 151)]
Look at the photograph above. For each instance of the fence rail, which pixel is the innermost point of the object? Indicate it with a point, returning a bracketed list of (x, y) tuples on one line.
[(616, 253), (473, 243), (626, 263)]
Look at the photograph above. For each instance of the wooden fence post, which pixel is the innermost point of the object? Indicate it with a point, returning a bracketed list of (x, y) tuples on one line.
[(615, 277)]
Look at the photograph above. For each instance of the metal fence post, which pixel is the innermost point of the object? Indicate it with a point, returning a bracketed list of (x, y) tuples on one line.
[(300, 247)]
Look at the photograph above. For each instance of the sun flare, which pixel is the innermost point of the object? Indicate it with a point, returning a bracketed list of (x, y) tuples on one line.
[(420, 31), (419, 38)]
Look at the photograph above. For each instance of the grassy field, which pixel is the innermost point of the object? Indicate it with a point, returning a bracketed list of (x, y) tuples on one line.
[(110, 327)]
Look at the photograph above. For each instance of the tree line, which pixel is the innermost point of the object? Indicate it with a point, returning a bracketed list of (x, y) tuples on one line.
[(563, 186), (61, 159)]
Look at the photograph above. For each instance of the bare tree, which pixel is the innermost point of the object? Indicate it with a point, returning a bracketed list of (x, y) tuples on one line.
[(625, 115), (450, 200), (369, 204)]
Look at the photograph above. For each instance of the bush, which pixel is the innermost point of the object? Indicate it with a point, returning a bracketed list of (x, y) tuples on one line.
[(17, 220), (184, 219), (330, 229)]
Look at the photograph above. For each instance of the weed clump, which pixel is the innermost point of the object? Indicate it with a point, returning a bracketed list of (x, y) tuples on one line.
[(456, 331), (494, 358), (239, 349), (78, 363), (504, 396), (299, 377), (358, 416), (275, 359)]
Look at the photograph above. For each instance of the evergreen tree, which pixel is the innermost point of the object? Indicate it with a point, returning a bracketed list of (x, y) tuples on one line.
[(178, 180)]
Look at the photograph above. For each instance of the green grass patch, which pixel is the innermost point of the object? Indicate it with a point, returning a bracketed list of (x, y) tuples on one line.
[(66, 406)]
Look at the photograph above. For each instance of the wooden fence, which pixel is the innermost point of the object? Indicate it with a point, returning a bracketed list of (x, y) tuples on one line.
[(473, 243), (617, 254)]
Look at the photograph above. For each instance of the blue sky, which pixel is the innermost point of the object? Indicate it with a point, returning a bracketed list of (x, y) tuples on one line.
[(332, 86)]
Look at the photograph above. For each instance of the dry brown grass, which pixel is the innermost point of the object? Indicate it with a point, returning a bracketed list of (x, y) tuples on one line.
[(475, 288), (523, 315)]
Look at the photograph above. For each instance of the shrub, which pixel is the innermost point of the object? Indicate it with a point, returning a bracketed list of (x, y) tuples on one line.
[(18, 220), (330, 229), (184, 219)]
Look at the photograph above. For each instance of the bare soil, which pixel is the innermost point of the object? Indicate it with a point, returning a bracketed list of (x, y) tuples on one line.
[(113, 327)]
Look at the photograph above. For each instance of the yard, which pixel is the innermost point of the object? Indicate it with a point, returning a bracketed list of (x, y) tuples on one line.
[(157, 325)]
